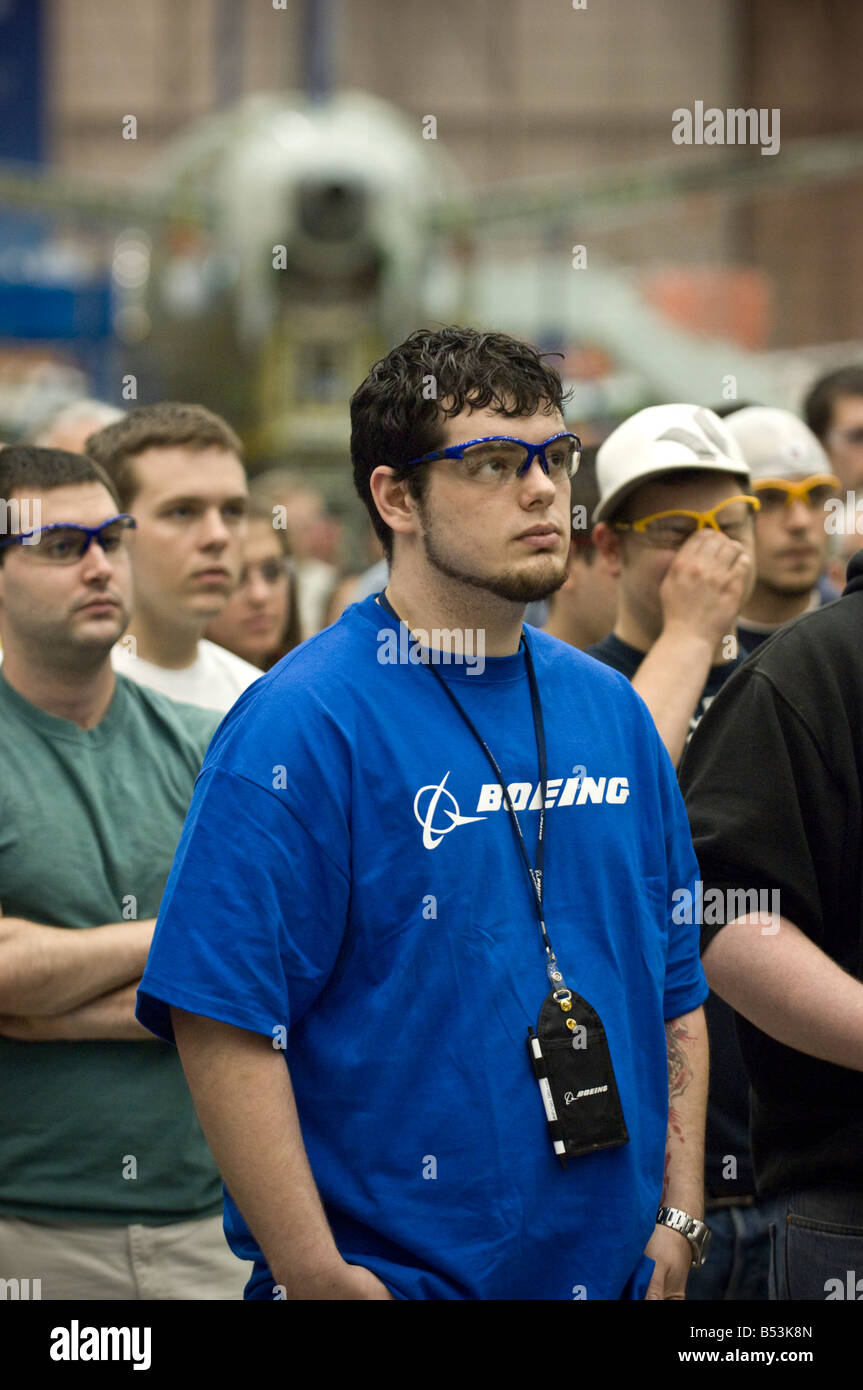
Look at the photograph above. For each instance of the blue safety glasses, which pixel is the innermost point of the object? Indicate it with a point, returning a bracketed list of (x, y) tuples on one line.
[(498, 459), (65, 542)]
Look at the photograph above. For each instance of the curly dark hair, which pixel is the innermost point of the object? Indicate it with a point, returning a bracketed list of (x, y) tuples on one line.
[(398, 412)]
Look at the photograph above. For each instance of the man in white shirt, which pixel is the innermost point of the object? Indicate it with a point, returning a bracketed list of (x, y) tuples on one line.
[(178, 470)]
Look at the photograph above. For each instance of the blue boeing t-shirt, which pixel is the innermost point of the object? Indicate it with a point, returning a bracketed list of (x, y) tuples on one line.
[(348, 874)]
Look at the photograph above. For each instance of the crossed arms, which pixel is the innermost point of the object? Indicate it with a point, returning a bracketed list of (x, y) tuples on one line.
[(62, 985)]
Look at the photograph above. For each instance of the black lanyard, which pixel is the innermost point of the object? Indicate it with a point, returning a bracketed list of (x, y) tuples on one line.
[(535, 875)]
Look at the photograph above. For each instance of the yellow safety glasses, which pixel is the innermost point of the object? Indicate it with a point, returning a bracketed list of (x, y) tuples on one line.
[(813, 491), (668, 530)]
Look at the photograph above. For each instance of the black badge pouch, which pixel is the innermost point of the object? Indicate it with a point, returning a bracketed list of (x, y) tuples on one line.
[(576, 1063)]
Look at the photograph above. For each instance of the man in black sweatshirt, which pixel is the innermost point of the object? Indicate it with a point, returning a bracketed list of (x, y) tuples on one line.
[(773, 780)]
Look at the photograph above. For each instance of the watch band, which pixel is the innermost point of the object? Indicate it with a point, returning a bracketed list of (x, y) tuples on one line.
[(696, 1232)]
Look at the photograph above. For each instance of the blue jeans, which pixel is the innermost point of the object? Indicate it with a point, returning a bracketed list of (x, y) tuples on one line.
[(738, 1258), (817, 1244)]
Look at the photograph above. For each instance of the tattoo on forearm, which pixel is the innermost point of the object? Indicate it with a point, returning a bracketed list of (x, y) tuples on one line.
[(680, 1072)]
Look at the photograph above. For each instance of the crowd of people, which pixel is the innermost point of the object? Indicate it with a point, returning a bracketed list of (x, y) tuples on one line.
[(358, 866)]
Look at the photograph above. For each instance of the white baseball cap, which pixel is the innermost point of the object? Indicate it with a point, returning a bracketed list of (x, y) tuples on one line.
[(776, 444), (662, 439)]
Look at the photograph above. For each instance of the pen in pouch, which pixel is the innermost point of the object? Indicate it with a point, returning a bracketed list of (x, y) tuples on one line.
[(540, 1071)]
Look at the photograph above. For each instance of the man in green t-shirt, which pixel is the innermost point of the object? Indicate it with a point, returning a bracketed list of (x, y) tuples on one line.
[(107, 1189)]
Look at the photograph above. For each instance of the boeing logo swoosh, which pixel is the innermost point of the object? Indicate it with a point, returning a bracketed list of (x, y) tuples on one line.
[(432, 833)]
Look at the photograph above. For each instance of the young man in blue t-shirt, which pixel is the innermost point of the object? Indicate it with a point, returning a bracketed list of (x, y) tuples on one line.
[(356, 936)]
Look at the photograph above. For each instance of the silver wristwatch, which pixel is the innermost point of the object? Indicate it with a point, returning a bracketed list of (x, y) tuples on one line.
[(696, 1232)]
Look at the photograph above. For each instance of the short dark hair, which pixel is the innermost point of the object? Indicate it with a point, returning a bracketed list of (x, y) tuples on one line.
[(819, 403), (29, 468), (397, 413), (168, 425)]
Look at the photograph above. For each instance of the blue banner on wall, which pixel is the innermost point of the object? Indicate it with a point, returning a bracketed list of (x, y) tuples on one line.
[(21, 61)]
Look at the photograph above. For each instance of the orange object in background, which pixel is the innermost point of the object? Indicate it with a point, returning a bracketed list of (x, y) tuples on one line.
[(587, 362), (714, 302)]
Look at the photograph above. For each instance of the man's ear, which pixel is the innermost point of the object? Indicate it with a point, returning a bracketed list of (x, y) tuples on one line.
[(607, 542), (393, 501)]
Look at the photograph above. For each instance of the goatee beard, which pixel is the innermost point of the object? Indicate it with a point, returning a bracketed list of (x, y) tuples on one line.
[(512, 586)]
